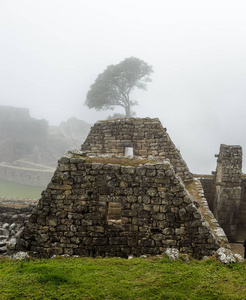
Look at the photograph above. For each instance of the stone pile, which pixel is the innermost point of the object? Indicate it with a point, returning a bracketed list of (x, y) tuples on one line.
[(226, 256), (8, 233), (155, 212), (13, 215)]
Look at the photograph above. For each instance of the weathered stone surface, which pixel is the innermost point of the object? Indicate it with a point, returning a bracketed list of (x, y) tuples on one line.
[(238, 257), (172, 253), (3, 249), (21, 255), (228, 188), (11, 243), (225, 256)]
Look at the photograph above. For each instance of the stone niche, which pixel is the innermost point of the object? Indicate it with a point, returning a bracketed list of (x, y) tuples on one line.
[(115, 207)]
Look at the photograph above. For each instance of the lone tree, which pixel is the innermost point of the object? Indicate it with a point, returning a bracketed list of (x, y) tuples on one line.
[(113, 86)]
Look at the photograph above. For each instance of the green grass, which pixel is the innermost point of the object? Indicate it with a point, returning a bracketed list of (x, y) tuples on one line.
[(122, 161), (17, 190), (114, 278)]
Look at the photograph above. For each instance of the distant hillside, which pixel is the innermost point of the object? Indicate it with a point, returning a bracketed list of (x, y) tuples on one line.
[(23, 137), (74, 128)]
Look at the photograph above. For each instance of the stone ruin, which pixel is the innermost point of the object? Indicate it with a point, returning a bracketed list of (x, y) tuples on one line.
[(96, 209), (226, 194), (146, 137), (100, 203)]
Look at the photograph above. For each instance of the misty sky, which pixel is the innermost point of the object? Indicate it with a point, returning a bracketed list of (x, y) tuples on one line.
[(51, 51)]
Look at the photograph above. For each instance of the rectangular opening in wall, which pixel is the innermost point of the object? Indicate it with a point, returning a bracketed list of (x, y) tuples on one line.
[(114, 213), (128, 151)]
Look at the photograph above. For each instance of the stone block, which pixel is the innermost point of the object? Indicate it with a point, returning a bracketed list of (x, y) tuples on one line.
[(51, 221), (118, 241)]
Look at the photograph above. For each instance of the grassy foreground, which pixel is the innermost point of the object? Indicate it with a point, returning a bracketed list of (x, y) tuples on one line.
[(115, 278)]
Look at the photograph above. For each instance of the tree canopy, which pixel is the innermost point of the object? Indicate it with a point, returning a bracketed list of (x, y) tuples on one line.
[(113, 86)]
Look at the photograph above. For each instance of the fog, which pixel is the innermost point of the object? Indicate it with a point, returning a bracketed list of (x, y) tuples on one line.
[(51, 51)]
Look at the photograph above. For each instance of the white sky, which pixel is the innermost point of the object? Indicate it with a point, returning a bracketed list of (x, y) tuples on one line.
[(51, 51)]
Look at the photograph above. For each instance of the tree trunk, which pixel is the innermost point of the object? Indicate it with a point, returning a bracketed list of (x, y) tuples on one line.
[(128, 111)]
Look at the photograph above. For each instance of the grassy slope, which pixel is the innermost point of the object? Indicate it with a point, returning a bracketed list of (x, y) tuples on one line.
[(17, 190), (114, 278)]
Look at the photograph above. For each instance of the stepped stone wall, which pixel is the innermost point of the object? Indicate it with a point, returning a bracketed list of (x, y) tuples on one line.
[(77, 214), (228, 188), (146, 136)]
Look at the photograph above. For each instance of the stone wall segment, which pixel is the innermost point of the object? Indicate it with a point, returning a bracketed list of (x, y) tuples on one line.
[(242, 208), (228, 179), (145, 135), (156, 212)]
